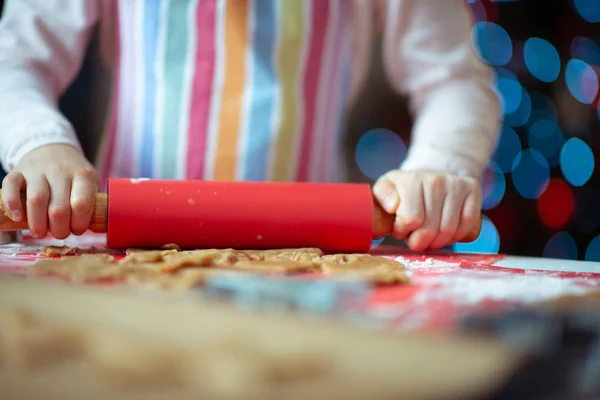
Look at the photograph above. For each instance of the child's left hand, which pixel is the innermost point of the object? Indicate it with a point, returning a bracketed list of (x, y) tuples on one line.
[(433, 210)]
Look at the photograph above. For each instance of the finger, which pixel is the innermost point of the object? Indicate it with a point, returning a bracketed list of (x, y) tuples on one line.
[(411, 211), (450, 219), (385, 193), (434, 190), (38, 195), (83, 195), (12, 185), (470, 215), (59, 210)]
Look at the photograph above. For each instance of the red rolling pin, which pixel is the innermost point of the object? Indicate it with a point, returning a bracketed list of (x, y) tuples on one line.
[(243, 215)]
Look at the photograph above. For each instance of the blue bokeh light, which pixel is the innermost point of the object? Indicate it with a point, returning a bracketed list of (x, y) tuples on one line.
[(588, 9), (509, 147), (546, 137), (577, 162), (586, 50), (508, 89), (493, 187), (582, 81), (510, 92), (379, 151), (521, 115), (377, 242), (492, 43), (488, 241), (531, 174), (561, 245), (541, 59), (592, 253)]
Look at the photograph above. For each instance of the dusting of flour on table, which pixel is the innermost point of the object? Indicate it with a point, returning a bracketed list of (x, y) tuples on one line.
[(474, 287), (427, 263)]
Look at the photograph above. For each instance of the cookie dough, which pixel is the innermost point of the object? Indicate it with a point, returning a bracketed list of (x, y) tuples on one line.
[(81, 269), (180, 270), (179, 282), (61, 251), (383, 274)]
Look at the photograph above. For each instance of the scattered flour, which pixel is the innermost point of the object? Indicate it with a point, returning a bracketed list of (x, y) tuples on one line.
[(473, 288), (428, 263)]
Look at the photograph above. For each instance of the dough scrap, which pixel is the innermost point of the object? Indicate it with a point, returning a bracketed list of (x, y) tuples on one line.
[(299, 255), (149, 256), (182, 281), (272, 266), (84, 268), (61, 251), (358, 260), (188, 259), (171, 246), (382, 274)]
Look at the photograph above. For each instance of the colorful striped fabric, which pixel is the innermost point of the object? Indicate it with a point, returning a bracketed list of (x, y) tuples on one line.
[(229, 89)]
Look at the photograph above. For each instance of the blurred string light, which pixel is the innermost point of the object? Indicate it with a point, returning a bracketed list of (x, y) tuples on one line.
[(492, 43), (521, 115), (582, 81), (487, 242), (592, 253), (577, 162), (493, 187), (509, 90), (509, 147), (378, 151), (586, 50), (555, 206), (588, 9), (561, 245), (531, 174), (546, 137), (541, 59)]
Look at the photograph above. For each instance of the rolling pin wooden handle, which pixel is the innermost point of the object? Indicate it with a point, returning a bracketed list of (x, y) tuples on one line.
[(98, 223), (383, 224)]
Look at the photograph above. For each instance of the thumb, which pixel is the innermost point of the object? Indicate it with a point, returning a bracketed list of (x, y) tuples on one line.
[(386, 194)]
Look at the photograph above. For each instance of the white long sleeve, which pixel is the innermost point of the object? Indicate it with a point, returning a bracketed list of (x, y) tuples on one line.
[(42, 46), (429, 55)]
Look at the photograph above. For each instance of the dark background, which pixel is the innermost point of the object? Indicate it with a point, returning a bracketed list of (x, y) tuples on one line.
[(561, 219)]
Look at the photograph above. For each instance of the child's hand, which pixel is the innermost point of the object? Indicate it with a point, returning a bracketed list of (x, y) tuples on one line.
[(60, 187), (432, 209)]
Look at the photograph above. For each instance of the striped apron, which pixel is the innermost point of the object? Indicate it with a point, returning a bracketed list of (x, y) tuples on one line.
[(229, 90)]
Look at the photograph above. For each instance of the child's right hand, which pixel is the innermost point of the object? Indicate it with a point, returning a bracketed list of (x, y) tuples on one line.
[(60, 186)]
